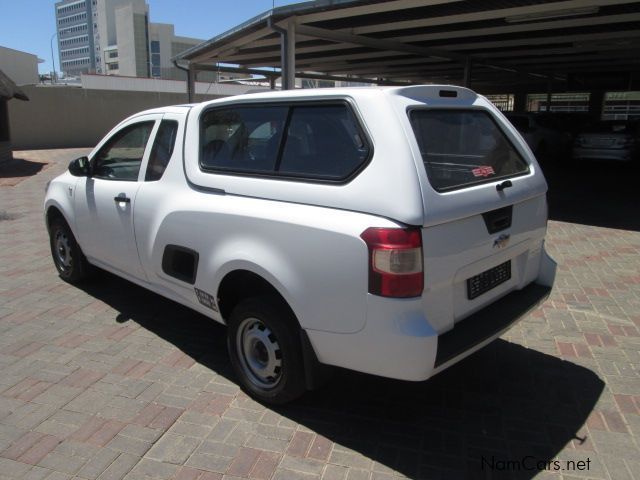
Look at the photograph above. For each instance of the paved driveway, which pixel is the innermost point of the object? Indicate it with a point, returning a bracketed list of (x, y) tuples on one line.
[(109, 381)]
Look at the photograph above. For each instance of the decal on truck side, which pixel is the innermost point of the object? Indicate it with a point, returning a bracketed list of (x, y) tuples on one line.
[(206, 299)]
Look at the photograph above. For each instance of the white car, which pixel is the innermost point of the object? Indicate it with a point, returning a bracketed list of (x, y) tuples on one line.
[(392, 231)]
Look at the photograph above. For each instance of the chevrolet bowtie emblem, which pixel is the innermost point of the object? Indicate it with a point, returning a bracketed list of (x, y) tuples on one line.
[(502, 241)]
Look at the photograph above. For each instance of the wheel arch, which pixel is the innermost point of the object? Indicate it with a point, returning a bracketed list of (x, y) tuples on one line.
[(56, 211), (239, 284), (243, 282)]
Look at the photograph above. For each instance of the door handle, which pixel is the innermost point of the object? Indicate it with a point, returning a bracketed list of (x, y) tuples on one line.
[(506, 184), (122, 199)]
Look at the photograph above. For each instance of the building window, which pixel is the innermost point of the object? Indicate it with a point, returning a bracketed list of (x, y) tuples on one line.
[(113, 66), (155, 46), (72, 18)]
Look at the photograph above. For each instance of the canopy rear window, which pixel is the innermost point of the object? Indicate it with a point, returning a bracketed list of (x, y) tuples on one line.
[(461, 148)]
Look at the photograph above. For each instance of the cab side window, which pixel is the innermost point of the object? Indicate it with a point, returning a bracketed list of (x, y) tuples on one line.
[(121, 156), (162, 150), (242, 139), (321, 141)]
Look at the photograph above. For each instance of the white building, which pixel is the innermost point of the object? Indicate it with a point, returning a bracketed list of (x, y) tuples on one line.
[(164, 45), (115, 37)]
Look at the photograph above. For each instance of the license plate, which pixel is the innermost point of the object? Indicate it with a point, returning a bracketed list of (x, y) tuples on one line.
[(487, 280)]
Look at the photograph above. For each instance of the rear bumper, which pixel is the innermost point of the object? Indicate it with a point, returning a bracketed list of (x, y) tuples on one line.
[(486, 325), (398, 342)]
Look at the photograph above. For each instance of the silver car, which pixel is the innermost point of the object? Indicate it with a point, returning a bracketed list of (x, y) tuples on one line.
[(616, 140)]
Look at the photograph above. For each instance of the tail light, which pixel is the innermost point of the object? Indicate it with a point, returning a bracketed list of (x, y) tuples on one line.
[(395, 261)]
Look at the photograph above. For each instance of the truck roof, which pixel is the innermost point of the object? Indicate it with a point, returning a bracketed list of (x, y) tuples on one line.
[(422, 91), (168, 109), (425, 91)]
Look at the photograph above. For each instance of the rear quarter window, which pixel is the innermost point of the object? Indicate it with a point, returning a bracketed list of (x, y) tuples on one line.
[(461, 148), (323, 141)]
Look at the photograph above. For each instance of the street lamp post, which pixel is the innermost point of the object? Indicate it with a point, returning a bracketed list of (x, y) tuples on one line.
[(53, 60)]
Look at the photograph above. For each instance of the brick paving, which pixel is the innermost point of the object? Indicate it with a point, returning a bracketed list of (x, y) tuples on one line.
[(110, 381)]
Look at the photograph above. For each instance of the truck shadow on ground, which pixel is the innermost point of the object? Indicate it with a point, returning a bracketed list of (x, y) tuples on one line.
[(506, 403)]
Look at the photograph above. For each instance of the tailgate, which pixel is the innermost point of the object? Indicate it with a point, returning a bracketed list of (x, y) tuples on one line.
[(471, 262), (485, 210)]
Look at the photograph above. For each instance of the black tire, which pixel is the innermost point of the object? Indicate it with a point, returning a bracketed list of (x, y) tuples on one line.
[(67, 256), (264, 346)]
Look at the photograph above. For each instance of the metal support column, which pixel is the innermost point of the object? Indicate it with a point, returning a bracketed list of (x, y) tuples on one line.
[(596, 104), (191, 83), (520, 101), (549, 91), (466, 81), (287, 53), (289, 74)]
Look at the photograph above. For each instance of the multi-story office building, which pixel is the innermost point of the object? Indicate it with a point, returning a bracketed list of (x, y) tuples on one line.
[(75, 36), (163, 46), (122, 37), (115, 37)]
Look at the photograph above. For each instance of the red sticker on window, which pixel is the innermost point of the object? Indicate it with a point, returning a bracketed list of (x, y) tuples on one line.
[(483, 171)]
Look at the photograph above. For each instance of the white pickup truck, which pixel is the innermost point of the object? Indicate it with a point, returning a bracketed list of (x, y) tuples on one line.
[(392, 231)]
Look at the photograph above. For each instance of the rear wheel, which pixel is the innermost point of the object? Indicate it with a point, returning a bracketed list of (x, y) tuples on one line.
[(264, 347), (67, 255)]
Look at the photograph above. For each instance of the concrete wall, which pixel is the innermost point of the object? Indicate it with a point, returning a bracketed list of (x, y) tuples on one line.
[(21, 67), (65, 117), (112, 82)]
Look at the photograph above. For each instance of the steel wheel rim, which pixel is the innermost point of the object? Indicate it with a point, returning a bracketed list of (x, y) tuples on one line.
[(62, 250), (259, 353)]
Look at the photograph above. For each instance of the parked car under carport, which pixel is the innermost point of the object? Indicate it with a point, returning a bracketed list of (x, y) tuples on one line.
[(614, 140), (543, 140)]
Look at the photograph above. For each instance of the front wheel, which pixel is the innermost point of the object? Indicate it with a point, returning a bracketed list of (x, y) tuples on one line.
[(264, 346), (67, 255)]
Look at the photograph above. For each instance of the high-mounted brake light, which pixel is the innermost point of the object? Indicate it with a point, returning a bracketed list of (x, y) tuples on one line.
[(395, 261)]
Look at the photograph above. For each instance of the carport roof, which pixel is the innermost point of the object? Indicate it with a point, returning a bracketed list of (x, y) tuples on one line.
[(577, 42)]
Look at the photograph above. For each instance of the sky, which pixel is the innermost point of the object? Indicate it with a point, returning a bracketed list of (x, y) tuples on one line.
[(28, 25)]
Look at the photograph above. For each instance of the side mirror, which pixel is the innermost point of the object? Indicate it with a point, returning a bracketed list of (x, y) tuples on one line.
[(80, 167)]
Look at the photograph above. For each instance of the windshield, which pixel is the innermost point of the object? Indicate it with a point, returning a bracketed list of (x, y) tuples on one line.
[(464, 147)]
